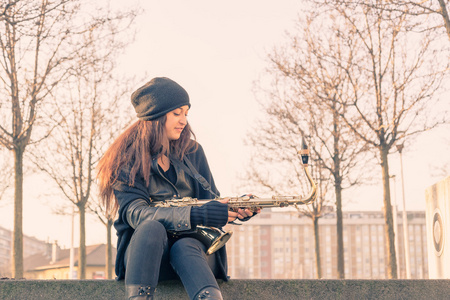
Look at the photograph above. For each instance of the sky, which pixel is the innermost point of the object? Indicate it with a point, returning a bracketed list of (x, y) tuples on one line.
[(216, 50)]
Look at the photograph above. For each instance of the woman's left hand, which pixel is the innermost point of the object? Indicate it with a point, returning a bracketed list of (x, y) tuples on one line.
[(246, 214), (242, 214)]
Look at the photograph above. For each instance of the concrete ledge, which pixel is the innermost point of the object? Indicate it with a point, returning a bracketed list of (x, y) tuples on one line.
[(234, 289)]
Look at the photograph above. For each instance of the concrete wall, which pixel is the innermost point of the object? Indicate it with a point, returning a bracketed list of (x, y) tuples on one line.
[(437, 199), (234, 289)]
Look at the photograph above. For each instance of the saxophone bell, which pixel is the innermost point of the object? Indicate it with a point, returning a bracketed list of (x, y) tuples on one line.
[(213, 238)]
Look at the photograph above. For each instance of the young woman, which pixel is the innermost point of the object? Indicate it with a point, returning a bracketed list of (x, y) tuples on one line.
[(147, 164)]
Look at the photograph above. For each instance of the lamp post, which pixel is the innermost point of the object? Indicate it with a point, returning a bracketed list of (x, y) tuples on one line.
[(404, 217)]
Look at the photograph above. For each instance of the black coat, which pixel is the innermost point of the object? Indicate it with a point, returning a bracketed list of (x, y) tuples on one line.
[(161, 189)]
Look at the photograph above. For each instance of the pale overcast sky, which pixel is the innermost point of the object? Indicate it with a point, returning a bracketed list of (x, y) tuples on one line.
[(215, 50)]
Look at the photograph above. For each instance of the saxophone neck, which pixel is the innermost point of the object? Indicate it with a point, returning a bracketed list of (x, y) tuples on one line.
[(313, 191)]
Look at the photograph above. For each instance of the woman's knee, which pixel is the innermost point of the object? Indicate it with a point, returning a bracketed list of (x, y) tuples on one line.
[(148, 240), (151, 226), (150, 231)]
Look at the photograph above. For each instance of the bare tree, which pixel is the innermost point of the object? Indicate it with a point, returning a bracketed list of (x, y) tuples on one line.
[(302, 80), (394, 76), (38, 40), (442, 11), (276, 167), (431, 15), (41, 46), (110, 128), (107, 219), (427, 11), (318, 209), (88, 110), (263, 180), (112, 123)]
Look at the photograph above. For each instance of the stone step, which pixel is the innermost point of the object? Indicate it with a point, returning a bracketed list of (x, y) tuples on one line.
[(264, 289)]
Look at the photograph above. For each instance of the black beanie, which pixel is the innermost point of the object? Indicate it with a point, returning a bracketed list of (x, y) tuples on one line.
[(157, 97)]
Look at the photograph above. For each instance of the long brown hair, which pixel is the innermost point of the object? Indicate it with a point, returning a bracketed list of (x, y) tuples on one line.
[(134, 150)]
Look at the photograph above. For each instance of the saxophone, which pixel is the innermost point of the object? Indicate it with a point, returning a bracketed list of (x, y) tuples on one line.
[(215, 238)]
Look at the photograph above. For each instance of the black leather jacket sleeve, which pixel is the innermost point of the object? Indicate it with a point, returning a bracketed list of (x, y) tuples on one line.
[(173, 218)]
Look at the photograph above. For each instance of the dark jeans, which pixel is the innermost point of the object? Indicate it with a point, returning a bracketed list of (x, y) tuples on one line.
[(152, 257)]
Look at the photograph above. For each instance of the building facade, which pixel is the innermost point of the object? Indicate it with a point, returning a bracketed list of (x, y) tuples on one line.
[(31, 246), (5, 252), (44, 260), (57, 265), (279, 244)]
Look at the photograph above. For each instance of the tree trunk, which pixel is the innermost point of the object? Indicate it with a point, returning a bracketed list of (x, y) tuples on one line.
[(17, 241), (82, 249), (338, 192), (339, 231), (389, 222), (445, 16), (317, 247), (108, 260)]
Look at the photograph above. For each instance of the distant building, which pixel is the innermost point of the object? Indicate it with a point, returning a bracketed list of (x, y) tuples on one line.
[(31, 246), (57, 264), (279, 244), (43, 260)]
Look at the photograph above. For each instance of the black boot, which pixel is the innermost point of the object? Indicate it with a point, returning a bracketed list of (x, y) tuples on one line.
[(137, 291), (210, 293)]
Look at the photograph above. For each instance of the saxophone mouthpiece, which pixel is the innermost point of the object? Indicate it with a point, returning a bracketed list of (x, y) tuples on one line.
[(304, 152)]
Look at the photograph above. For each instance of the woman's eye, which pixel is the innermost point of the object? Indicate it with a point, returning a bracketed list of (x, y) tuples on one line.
[(176, 114)]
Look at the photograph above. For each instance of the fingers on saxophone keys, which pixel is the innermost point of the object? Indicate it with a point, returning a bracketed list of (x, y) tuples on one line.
[(233, 209), (232, 216), (244, 213)]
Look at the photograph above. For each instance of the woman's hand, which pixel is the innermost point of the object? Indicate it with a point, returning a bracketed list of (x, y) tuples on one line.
[(241, 214)]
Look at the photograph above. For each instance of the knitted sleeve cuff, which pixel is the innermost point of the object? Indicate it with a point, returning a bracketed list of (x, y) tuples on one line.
[(196, 215), (213, 214)]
